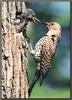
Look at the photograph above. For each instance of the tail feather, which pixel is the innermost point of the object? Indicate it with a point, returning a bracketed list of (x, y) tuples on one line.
[(42, 76), (37, 75), (41, 81)]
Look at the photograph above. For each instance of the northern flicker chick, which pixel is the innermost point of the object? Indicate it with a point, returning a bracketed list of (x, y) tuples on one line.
[(44, 51), (22, 19)]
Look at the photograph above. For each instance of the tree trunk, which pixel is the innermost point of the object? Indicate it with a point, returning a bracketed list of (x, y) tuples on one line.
[(14, 59)]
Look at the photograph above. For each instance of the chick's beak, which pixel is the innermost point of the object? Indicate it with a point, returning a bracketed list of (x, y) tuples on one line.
[(35, 20)]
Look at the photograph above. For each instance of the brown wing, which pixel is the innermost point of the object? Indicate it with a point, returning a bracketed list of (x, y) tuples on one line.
[(46, 54)]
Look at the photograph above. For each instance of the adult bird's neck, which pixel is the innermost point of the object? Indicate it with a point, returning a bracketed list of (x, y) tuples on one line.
[(53, 33)]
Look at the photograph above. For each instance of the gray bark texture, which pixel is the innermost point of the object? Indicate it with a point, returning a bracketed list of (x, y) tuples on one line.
[(14, 59)]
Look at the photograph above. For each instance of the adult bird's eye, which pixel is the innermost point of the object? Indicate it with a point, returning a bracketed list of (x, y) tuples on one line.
[(52, 23)]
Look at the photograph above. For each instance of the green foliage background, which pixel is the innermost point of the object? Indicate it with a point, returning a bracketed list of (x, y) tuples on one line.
[(57, 82)]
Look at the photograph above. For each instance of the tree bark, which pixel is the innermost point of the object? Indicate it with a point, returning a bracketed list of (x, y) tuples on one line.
[(14, 59)]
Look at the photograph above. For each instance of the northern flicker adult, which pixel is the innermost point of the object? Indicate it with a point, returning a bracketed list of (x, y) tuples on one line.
[(44, 51)]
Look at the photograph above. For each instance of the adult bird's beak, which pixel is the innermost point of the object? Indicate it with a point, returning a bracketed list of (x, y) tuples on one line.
[(46, 23), (36, 20)]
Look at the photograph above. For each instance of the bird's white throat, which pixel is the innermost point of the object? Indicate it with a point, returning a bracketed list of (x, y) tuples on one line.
[(53, 32)]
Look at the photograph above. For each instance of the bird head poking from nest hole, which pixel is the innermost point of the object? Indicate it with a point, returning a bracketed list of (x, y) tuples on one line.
[(22, 19), (29, 15)]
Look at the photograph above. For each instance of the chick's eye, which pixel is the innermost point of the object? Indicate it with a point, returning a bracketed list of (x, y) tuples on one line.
[(33, 15)]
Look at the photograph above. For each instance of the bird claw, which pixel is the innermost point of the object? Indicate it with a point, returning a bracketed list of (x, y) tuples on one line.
[(32, 52)]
